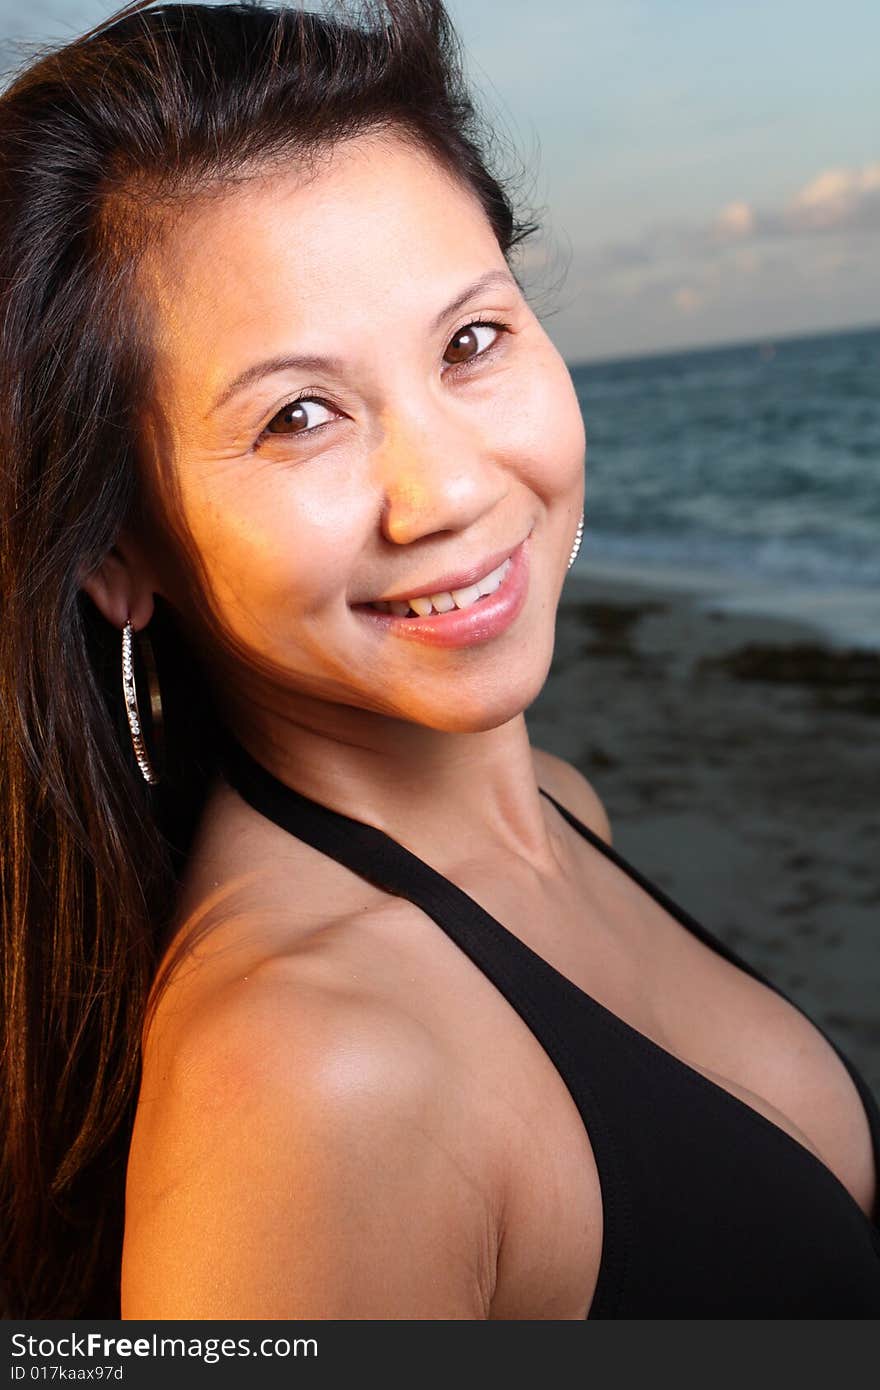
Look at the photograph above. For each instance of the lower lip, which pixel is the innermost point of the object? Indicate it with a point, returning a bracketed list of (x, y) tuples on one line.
[(464, 627)]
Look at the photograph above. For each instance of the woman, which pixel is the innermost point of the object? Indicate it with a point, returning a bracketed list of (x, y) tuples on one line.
[(418, 1042)]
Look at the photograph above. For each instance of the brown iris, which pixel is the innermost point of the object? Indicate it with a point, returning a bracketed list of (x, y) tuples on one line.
[(286, 420), (468, 338)]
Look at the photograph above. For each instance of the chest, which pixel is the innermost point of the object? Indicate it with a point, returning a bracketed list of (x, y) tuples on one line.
[(514, 1114), (612, 940)]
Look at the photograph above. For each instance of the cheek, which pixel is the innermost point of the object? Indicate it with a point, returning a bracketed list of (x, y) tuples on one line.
[(541, 424), (270, 543)]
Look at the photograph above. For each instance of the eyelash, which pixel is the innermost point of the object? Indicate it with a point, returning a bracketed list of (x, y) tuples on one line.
[(308, 394)]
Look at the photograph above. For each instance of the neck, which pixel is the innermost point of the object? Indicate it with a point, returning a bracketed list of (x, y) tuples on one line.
[(474, 793)]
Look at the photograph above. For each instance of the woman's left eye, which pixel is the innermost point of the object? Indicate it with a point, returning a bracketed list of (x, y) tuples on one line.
[(466, 342)]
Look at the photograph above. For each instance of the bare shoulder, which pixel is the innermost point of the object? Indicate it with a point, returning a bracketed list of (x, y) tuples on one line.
[(291, 1159), (572, 789)]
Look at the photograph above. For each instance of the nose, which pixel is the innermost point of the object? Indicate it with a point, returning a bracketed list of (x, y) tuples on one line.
[(435, 472)]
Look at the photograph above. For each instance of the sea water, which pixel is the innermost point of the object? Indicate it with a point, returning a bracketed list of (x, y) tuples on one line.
[(749, 473)]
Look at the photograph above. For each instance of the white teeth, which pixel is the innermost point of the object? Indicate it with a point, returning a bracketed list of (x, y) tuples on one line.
[(491, 582), (444, 602), (422, 605), (465, 597)]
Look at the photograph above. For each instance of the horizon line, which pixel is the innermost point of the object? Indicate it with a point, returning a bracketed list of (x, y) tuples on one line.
[(765, 340)]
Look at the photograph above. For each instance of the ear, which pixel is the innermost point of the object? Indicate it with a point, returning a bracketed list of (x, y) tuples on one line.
[(123, 584)]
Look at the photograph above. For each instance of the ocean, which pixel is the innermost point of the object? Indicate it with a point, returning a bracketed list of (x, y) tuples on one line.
[(748, 473)]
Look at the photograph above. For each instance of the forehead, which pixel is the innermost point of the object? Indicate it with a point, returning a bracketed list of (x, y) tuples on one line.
[(373, 228)]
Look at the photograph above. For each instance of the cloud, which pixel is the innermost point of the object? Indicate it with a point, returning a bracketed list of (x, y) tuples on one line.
[(834, 199), (735, 221), (686, 299), (807, 260)]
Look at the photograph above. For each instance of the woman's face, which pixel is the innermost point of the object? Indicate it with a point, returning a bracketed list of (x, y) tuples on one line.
[(421, 448)]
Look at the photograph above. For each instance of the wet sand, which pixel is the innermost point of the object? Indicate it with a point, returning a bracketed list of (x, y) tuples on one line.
[(738, 758)]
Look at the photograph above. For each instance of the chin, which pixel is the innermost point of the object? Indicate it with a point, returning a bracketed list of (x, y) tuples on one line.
[(472, 710)]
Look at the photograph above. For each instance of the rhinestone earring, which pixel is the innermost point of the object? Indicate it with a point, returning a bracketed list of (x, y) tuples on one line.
[(577, 542), (129, 691)]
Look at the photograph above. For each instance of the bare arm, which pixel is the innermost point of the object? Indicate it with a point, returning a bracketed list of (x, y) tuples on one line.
[(292, 1164)]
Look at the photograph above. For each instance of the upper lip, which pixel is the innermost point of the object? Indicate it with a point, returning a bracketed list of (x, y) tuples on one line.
[(459, 580)]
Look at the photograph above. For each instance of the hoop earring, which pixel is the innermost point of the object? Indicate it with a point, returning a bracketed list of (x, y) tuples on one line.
[(129, 691), (577, 541)]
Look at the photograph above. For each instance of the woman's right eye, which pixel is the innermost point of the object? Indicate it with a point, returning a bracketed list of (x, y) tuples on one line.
[(293, 418)]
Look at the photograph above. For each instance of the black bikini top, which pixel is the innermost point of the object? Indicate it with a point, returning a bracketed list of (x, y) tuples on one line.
[(710, 1210)]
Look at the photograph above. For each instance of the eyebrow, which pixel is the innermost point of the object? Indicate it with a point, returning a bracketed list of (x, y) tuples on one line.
[(310, 362)]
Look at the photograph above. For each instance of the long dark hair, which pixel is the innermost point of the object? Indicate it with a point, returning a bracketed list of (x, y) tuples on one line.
[(97, 136)]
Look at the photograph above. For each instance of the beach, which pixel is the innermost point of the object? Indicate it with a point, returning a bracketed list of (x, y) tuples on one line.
[(738, 757)]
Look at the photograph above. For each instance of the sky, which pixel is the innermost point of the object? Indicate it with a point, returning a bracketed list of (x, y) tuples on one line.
[(704, 171)]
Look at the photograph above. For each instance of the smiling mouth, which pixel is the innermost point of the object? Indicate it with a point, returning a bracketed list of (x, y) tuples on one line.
[(471, 617), (427, 605)]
